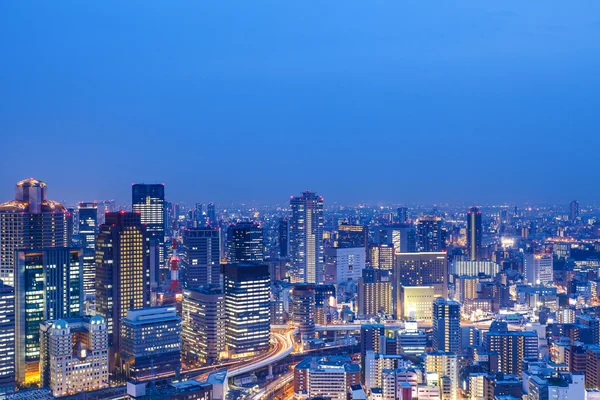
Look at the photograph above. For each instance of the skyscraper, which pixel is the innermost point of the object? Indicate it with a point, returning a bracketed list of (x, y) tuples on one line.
[(88, 224), (446, 325), (31, 221), (7, 338), (122, 272), (200, 257), (284, 237), (303, 310), (306, 237), (474, 234), (247, 307), (402, 214), (423, 269), (375, 294), (538, 268), (402, 237), (353, 236), (149, 201), (512, 347), (48, 285), (245, 243), (573, 210), (430, 237)]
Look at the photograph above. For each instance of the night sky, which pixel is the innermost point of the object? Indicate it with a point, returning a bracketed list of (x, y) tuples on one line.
[(403, 100)]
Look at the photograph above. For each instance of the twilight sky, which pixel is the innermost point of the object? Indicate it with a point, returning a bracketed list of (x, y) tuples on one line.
[(238, 100)]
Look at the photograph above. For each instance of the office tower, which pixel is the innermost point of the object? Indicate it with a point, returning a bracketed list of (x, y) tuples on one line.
[(247, 307), (381, 256), (326, 377), (48, 285), (446, 325), (402, 237), (88, 223), (122, 273), (372, 338), (411, 340), (306, 237), (444, 366), (375, 293), (31, 221), (402, 215), (151, 343), (7, 338), (429, 234), (324, 300), (203, 325), (149, 202), (245, 243), (343, 264), (303, 310), (211, 214), (201, 260), (474, 234), (283, 234), (573, 210), (474, 268), (353, 236), (512, 347), (538, 269), (429, 269), (74, 355), (415, 302), (70, 226)]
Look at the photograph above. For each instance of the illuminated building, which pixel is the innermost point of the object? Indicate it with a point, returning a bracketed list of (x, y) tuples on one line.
[(245, 243), (48, 285), (284, 237), (201, 257), (306, 237), (411, 340), (303, 310), (592, 367), (512, 347), (381, 256), (538, 269), (402, 214), (415, 269), (149, 202), (430, 237), (7, 338), (326, 377), (211, 214), (375, 293), (573, 210), (443, 367), (402, 237), (343, 264), (352, 236), (88, 223), (474, 268), (446, 325), (465, 287), (151, 343), (474, 234), (203, 324), (415, 302), (31, 221), (74, 355), (372, 338), (247, 308), (122, 273), (324, 300)]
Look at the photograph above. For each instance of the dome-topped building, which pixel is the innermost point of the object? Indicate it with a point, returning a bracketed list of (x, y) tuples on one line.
[(30, 221)]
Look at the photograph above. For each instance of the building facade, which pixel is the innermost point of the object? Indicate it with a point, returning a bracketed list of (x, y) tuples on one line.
[(201, 257), (88, 227), (245, 243), (306, 238)]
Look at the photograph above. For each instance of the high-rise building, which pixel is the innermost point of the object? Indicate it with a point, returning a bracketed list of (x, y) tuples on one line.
[(375, 293), (573, 210), (592, 367), (74, 355), (343, 264), (88, 225), (31, 221), (474, 268), (326, 377), (538, 268), (372, 338), (149, 201), (415, 302), (353, 236), (324, 301), (203, 325), (417, 269), (443, 367), (7, 338), (402, 215), (303, 310), (151, 343), (247, 307), (430, 237), (201, 257), (381, 256), (446, 325), (48, 285), (474, 234), (411, 340), (211, 215), (402, 237), (306, 238), (284, 237), (122, 273), (512, 347), (245, 243)]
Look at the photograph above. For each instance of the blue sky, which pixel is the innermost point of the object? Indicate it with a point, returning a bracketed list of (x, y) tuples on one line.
[(236, 100)]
